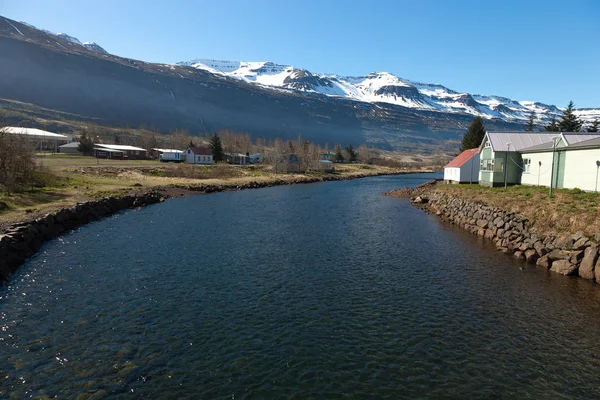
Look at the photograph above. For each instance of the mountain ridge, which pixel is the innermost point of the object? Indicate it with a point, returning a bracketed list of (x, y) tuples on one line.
[(385, 87)]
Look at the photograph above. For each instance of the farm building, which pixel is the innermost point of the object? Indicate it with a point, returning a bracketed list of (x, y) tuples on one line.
[(199, 155), (70, 148), (562, 163), (464, 168), (119, 151), (500, 149), (43, 140)]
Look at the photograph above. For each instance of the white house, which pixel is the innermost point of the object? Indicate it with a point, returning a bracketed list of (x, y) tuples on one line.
[(566, 163), (464, 168), (199, 155)]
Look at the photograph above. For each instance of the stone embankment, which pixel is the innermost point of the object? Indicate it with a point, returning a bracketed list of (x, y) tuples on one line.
[(566, 254), (22, 240)]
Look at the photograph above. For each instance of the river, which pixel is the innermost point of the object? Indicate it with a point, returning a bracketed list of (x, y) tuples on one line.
[(322, 291)]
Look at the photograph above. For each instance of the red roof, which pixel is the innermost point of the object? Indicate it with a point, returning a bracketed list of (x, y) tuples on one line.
[(462, 158), (201, 151)]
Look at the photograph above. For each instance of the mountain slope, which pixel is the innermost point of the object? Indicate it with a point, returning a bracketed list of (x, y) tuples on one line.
[(265, 99)]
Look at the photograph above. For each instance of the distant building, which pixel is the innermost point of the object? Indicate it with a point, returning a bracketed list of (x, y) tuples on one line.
[(237, 158), (119, 151), (70, 149), (256, 158), (168, 155), (289, 163), (325, 166), (44, 140), (199, 155), (464, 168)]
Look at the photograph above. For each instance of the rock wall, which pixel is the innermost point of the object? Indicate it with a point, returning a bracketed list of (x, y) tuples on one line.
[(567, 254), (22, 240)]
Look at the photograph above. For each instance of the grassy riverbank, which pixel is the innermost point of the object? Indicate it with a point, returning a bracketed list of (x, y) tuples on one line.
[(75, 179), (567, 211)]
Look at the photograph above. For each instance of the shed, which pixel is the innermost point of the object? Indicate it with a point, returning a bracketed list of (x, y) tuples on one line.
[(463, 168), (199, 155)]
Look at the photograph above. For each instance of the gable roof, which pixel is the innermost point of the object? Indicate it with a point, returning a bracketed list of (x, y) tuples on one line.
[(201, 151), (462, 158), (533, 140)]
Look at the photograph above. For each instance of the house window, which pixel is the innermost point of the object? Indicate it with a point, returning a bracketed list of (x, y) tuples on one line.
[(487, 144), (487, 165), (526, 165), (499, 167)]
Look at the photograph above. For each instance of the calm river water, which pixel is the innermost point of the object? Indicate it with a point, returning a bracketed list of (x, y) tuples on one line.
[(320, 291)]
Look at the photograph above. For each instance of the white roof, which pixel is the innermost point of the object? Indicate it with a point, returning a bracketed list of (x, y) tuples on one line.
[(523, 140), (33, 132), (169, 151), (108, 150), (119, 147), (72, 144)]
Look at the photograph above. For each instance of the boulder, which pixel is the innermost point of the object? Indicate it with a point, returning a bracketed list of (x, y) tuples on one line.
[(590, 257), (563, 267), (544, 261), (581, 243), (531, 256), (540, 248), (557, 254), (519, 255)]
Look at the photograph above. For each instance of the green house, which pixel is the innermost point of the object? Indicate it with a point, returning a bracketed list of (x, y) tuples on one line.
[(501, 159)]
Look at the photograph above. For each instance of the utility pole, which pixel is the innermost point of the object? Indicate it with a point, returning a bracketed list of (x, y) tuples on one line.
[(554, 142), (597, 168), (506, 166), (472, 161)]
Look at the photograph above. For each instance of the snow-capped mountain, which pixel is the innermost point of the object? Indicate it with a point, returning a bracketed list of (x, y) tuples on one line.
[(386, 88)]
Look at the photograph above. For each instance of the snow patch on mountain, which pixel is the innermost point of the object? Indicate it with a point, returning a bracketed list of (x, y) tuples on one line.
[(94, 47), (71, 39)]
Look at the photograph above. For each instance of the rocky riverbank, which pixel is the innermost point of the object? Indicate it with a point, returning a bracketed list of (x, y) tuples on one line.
[(568, 253), (20, 240)]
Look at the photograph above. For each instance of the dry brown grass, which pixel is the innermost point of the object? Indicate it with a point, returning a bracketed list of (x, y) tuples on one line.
[(565, 211)]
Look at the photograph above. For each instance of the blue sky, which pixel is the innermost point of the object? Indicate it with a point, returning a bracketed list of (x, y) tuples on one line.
[(546, 51)]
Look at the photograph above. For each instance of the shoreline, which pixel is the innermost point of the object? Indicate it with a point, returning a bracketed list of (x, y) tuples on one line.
[(568, 253), (23, 239)]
